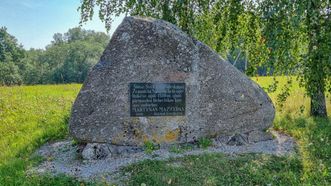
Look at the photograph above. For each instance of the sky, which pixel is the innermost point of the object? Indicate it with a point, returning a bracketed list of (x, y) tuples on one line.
[(34, 22)]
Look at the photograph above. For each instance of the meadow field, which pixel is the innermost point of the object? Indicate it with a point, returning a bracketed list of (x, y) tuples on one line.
[(33, 115)]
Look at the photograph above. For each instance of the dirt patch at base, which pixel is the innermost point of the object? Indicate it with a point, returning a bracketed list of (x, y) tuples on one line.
[(61, 157)]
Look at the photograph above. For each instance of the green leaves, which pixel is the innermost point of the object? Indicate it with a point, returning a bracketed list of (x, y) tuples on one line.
[(9, 74), (66, 60), (11, 54), (10, 50), (179, 12)]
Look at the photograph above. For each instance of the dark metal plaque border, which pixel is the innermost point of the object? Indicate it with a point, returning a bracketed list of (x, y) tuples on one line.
[(168, 108)]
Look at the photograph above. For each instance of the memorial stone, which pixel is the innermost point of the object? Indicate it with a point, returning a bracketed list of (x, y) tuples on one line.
[(155, 83)]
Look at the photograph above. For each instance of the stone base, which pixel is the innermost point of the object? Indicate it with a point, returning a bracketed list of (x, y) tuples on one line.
[(244, 138), (256, 136), (98, 151), (61, 157)]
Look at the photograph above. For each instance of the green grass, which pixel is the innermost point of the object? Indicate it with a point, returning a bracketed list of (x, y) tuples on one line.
[(29, 117), (311, 165), (204, 143), (218, 169), (297, 104), (149, 147), (33, 115)]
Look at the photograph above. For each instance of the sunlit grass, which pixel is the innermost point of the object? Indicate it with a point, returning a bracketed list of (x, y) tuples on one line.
[(29, 117), (298, 103), (33, 113)]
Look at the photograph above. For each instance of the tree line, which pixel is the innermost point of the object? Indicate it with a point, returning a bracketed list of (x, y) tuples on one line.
[(67, 59)]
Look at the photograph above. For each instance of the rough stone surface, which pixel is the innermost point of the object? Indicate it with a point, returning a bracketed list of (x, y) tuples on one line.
[(257, 135), (238, 140), (98, 151), (95, 151), (220, 100)]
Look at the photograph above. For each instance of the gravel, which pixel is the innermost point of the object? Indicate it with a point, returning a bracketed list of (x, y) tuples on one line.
[(61, 157)]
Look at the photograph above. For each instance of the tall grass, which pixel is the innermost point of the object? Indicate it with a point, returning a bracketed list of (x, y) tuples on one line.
[(29, 117), (297, 104)]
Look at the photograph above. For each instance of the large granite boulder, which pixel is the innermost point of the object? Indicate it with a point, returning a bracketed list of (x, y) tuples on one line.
[(219, 99)]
